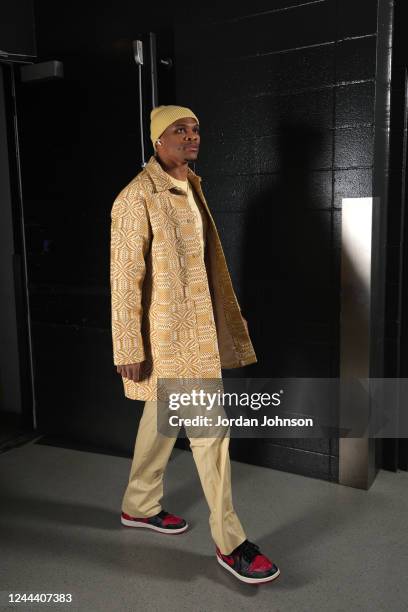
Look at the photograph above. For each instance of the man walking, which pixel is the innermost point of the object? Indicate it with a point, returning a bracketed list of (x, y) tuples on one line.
[(175, 315)]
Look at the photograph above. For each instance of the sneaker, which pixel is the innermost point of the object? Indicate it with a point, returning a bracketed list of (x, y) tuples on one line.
[(163, 522), (248, 564)]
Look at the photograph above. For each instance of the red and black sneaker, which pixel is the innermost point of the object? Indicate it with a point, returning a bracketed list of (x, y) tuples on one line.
[(163, 522), (248, 564)]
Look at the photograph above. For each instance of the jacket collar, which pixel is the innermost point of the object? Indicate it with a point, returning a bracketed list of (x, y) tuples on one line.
[(161, 179)]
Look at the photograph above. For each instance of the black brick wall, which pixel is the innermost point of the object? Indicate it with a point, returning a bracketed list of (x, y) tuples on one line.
[(285, 95)]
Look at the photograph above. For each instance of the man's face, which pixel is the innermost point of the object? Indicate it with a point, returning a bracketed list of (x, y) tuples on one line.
[(180, 141)]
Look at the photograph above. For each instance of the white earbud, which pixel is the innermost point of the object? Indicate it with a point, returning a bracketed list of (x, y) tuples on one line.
[(159, 142)]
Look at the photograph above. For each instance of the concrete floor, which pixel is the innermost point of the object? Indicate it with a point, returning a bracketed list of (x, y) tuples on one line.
[(338, 548)]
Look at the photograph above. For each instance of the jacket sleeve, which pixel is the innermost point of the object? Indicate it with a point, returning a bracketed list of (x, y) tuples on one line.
[(130, 242)]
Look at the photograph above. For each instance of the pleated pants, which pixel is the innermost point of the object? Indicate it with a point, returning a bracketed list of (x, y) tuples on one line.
[(211, 455)]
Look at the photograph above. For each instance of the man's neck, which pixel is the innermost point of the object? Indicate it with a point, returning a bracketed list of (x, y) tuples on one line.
[(176, 171)]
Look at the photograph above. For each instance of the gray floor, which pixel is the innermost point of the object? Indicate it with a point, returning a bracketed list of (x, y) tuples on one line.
[(338, 548)]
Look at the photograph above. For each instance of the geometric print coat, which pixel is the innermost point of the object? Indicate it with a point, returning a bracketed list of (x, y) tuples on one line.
[(172, 311)]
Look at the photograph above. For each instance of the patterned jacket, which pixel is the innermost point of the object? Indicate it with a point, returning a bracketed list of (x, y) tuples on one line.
[(171, 310)]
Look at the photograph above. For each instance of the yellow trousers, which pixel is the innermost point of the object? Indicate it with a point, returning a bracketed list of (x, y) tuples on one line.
[(211, 455)]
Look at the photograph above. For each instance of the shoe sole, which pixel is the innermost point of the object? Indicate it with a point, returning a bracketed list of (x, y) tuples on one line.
[(129, 523), (245, 578)]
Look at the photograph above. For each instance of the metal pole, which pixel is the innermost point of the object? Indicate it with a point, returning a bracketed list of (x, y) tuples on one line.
[(153, 68), (24, 249), (138, 56)]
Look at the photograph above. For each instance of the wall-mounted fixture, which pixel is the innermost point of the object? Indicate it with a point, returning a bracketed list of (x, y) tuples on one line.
[(43, 71)]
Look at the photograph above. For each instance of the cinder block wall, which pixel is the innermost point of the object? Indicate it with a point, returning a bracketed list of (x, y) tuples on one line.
[(285, 92)]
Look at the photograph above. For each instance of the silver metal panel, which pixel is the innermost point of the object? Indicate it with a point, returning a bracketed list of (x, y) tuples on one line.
[(355, 329), (356, 233)]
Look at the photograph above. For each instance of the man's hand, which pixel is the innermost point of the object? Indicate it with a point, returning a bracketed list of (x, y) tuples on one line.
[(131, 371)]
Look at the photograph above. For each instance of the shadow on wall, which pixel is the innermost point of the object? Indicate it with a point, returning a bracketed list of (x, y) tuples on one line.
[(288, 285)]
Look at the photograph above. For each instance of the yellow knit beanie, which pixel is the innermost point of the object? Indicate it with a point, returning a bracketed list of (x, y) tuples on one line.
[(163, 116)]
